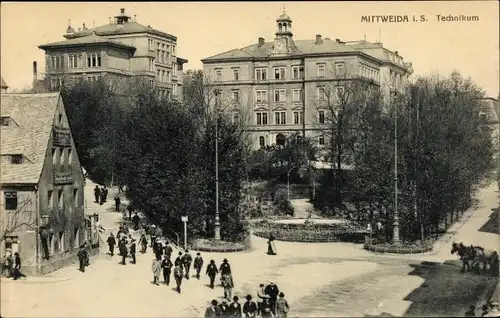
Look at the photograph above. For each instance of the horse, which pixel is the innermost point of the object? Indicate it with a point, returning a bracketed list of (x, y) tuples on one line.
[(475, 254), (464, 253)]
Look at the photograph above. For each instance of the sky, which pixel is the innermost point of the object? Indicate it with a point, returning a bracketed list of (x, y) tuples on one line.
[(204, 29)]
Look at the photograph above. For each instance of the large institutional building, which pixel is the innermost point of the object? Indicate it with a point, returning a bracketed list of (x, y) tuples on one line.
[(121, 51), (282, 85), (42, 211)]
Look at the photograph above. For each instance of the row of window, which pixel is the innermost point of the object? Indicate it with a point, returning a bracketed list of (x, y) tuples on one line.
[(163, 76), (262, 141), (61, 156), (160, 46), (11, 200), (279, 73), (279, 95), (76, 61), (261, 118)]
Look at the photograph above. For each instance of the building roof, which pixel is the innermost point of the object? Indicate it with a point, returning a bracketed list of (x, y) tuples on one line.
[(34, 113), (92, 39), (284, 17), (378, 51), (4, 85), (304, 47), (129, 27)]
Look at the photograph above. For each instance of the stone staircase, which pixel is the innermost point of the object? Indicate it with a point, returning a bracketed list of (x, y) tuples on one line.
[(302, 207)]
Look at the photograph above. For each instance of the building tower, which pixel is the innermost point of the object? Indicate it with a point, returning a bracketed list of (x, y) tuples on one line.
[(283, 42)]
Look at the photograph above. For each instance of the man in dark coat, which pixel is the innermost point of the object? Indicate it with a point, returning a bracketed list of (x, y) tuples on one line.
[(101, 196), (152, 235), (81, 259), (178, 260), (123, 250), (135, 220), (249, 307), (198, 264), (111, 243), (166, 265), (16, 271), (224, 309), (225, 268), (187, 259), (105, 190), (132, 250), (168, 250), (212, 272), (158, 249), (212, 311), (144, 243), (97, 194), (117, 203), (235, 308), (273, 291)]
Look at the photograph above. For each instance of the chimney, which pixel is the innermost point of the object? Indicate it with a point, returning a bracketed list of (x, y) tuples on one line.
[(261, 42), (318, 39), (396, 52), (35, 74), (337, 40), (122, 10), (84, 27)]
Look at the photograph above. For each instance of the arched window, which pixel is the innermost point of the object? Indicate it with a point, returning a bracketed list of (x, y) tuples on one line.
[(262, 142), (280, 26), (284, 27), (280, 139)]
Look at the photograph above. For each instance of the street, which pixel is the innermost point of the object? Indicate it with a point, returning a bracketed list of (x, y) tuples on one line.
[(329, 279)]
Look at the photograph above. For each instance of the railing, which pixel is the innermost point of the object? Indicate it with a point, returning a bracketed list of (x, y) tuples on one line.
[(173, 239)]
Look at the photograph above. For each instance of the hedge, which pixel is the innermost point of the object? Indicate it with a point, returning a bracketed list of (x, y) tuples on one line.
[(398, 249), (211, 245), (313, 235)]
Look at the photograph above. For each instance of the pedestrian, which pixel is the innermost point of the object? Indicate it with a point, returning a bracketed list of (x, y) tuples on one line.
[(158, 249), (86, 249), (235, 308), (123, 250), (187, 259), (178, 274), (198, 264), (261, 294), (224, 309), (144, 243), (266, 310), (8, 263), (17, 267), (212, 272), (97, 194), (494, 311), (228, 285), (105, 190), (156, 268), (132, 251), (101, 198), (81, 259), (225, 268), (271, 247), (111, 243), (250, 307), (168, 250), (212, 310), (282, 307), (117, 203), (130, 209), (485, 309), (166, 265), (152, 235), (273, 291), (178, 260), (135, 220)]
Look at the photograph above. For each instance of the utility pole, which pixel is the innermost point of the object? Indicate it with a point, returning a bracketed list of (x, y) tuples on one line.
[(217, 219), (395, 237)]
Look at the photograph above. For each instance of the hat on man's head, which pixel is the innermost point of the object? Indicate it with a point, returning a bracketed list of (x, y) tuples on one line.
[(198, 253), (235, 298), (249, 297), (214, 302), (224, 300), (225, 260), (212, 261), (261, 285), (180, 253), (282, 294)]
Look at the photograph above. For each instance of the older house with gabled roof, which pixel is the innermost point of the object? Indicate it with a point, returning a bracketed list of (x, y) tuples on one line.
[(282, 86), (42, 183)]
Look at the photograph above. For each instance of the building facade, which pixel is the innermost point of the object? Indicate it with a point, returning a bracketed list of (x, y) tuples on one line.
[(123, 52), (42, 184), (281, 86)]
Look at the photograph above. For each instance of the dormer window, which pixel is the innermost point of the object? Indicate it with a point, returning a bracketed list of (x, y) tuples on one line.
[(16, 159), (4, 121)]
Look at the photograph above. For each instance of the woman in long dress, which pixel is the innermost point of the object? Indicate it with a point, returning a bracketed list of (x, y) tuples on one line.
[(271, 247)]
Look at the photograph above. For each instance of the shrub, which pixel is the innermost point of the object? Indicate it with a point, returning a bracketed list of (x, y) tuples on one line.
[(313, 235), (406, 248), (283, 205), (220, 246)]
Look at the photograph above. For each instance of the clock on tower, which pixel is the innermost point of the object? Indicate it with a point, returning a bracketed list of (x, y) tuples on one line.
[(283, 42)]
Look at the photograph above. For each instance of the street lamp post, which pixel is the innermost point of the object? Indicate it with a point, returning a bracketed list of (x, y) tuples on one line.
[(217, 219), (395, 237)]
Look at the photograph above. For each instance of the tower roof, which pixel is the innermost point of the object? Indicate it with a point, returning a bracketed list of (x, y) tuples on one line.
[(284, 17)]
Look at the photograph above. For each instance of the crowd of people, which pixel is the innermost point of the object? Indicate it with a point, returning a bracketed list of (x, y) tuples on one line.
[(100, 194), (489, 310), (11, 265)]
